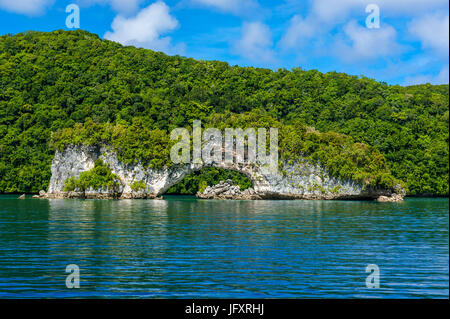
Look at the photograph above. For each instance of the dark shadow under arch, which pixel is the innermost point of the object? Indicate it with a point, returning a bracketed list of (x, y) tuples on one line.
[(210, 175)]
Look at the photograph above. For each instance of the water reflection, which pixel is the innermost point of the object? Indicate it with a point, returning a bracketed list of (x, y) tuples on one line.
[(183, 247)]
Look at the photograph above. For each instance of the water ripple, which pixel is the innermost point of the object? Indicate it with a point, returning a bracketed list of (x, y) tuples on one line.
[(187, 248)]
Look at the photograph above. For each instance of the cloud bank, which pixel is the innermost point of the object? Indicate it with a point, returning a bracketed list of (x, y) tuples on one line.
[(236, 7), (255, 43), (27, 7), (122, 6), (145, 29)]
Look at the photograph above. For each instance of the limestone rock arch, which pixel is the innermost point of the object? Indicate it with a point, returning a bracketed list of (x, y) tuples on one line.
[(299, 180)]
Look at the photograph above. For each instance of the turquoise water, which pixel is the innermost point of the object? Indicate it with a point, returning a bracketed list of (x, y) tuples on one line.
[(187, 248)]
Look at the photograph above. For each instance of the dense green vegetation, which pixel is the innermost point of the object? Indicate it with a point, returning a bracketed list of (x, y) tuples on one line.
[(339, 153), (133, 142), (100, 176), (75, 86), (208, 176), (138, 186)]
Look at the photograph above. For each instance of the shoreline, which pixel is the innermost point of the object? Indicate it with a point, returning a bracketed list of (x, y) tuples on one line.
[(30, 194), (176, 194)]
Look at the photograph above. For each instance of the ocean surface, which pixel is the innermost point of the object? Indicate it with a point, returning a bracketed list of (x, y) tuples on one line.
[(182, 247)]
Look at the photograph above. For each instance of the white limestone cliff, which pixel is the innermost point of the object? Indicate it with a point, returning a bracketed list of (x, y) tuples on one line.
[(299, 180)]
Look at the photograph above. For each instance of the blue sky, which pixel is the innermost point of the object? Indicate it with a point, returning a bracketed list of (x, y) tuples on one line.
[(410, 46)]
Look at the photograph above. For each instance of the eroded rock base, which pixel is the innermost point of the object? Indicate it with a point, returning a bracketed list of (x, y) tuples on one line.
[(226, 190), (390, 199), (298, 179), (95, 195)]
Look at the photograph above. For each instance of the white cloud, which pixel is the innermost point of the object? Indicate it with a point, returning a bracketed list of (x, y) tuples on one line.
[(299, 30), (255, 43), (125, 6), (349, 42), (28, 7), (237, 7), (432, 30), (324, 15), (361, 43), (332, 12), (441, 78), (122, 6), (145, 29)]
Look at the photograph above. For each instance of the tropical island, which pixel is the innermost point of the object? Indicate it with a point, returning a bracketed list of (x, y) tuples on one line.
[(84, 117)]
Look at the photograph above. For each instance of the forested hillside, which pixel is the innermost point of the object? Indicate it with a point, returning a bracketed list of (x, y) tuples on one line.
[(51, 84)]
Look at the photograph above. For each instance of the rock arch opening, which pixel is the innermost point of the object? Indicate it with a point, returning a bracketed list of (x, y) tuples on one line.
[(199, 180)]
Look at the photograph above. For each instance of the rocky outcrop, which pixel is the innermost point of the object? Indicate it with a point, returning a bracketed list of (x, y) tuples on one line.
[(76, 159), (391, 199), (226, 190), (295, 180)]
